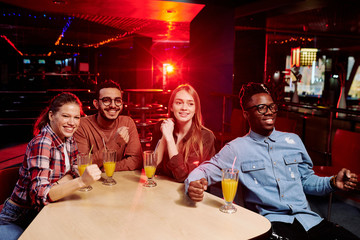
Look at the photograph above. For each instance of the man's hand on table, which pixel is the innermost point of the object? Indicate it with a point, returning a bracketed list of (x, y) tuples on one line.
[(196, 189)]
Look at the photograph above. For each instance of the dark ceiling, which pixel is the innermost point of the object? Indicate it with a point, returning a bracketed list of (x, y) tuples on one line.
[(35, 26)]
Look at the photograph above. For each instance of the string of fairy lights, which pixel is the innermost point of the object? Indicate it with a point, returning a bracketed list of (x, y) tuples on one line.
[(293, 39), (67, 25), (59, 41), (44, 16)]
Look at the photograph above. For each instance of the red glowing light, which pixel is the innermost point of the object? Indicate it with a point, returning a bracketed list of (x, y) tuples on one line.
[(11, 44), (169, 68)]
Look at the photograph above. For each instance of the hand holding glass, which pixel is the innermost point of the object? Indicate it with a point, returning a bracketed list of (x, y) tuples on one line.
[(229, 185), (109, 161), (84, 160), (150, 161)]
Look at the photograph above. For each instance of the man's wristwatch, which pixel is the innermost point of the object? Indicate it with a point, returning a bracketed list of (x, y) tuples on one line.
[(333, 182)]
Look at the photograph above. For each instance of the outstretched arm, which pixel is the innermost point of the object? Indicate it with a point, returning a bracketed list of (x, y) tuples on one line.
[(68, 185)]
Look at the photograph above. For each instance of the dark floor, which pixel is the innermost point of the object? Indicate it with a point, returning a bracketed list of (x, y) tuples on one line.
[(346, 214)]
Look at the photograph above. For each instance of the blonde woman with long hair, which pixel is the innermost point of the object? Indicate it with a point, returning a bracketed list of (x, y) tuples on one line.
[(185, 142)]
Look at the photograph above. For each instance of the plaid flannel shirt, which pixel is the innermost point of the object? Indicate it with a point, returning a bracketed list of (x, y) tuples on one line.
[(43, 165)]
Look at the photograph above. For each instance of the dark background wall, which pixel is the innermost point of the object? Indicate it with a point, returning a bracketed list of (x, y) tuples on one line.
[(211, 59), (249, 53)]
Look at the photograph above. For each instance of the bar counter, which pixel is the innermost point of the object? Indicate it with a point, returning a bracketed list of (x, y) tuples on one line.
[(128, 210)]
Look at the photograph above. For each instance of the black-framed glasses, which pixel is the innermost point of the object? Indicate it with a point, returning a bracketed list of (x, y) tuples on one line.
[(108, 100), (263, 108)]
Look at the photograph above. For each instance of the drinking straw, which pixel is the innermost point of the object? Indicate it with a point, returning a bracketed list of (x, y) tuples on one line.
[(90, 150), (104, 144), (156, 146), (232, 168)]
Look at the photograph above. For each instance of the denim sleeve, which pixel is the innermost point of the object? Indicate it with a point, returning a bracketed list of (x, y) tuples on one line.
[(312, 184), (211, 169)]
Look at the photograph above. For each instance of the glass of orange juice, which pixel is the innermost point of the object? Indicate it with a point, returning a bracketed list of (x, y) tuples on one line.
[(84, 160), (229, 185), (150, 160), (109, 161)]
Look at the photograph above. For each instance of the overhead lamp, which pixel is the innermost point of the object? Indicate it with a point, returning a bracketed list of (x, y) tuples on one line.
[(307, 56), (303, 56)]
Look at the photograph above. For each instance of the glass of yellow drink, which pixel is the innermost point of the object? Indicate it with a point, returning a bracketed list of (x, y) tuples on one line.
[(84, 160), (150, 160), (229, 184), (109, 161)]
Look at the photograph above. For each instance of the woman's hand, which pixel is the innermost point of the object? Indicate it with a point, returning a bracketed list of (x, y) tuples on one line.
[(167, 128), (91, 174), (67, 186)]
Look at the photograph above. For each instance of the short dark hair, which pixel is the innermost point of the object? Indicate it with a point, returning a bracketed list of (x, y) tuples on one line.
[(106, 84), (250, 89)]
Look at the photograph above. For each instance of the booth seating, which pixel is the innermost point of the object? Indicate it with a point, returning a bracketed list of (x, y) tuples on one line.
[(8, 179), (345, 153), (285, 124), (238, 128), (12, 156)]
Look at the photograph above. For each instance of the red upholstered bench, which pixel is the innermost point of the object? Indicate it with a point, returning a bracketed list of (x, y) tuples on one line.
[(8, 179), (12, 156), (345, 153)]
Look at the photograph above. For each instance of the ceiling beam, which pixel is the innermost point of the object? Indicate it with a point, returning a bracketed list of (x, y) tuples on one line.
[(279, 6)]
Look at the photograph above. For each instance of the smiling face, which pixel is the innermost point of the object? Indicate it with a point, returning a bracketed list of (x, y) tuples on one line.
[(183, 107), (66, 120), (112, 111), (260, 123)]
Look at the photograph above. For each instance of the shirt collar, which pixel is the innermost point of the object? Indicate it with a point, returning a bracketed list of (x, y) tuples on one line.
[(55, 137), (258, 137)]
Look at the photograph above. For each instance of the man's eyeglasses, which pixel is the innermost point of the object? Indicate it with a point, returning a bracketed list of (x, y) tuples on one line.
[(263, 108), (107, 101)]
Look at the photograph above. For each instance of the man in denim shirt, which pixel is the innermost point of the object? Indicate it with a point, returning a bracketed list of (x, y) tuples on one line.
[(275, 173)]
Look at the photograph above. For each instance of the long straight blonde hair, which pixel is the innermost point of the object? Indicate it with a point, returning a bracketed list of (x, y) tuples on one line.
[(194, 143)]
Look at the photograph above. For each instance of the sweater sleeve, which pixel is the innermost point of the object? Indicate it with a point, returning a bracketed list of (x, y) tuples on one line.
[(209, 145), (81, 138), (132, 158), (180, 169)]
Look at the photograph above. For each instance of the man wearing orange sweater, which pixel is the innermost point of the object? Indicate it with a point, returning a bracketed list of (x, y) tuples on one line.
[(109, 128)]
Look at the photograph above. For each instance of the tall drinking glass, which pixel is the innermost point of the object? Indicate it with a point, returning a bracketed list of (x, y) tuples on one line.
[(150, 160), (84, 160), (109, 161), (229, 185)]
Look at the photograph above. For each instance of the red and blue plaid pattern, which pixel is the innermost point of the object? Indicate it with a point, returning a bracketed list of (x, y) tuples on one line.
[(43, 165)]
